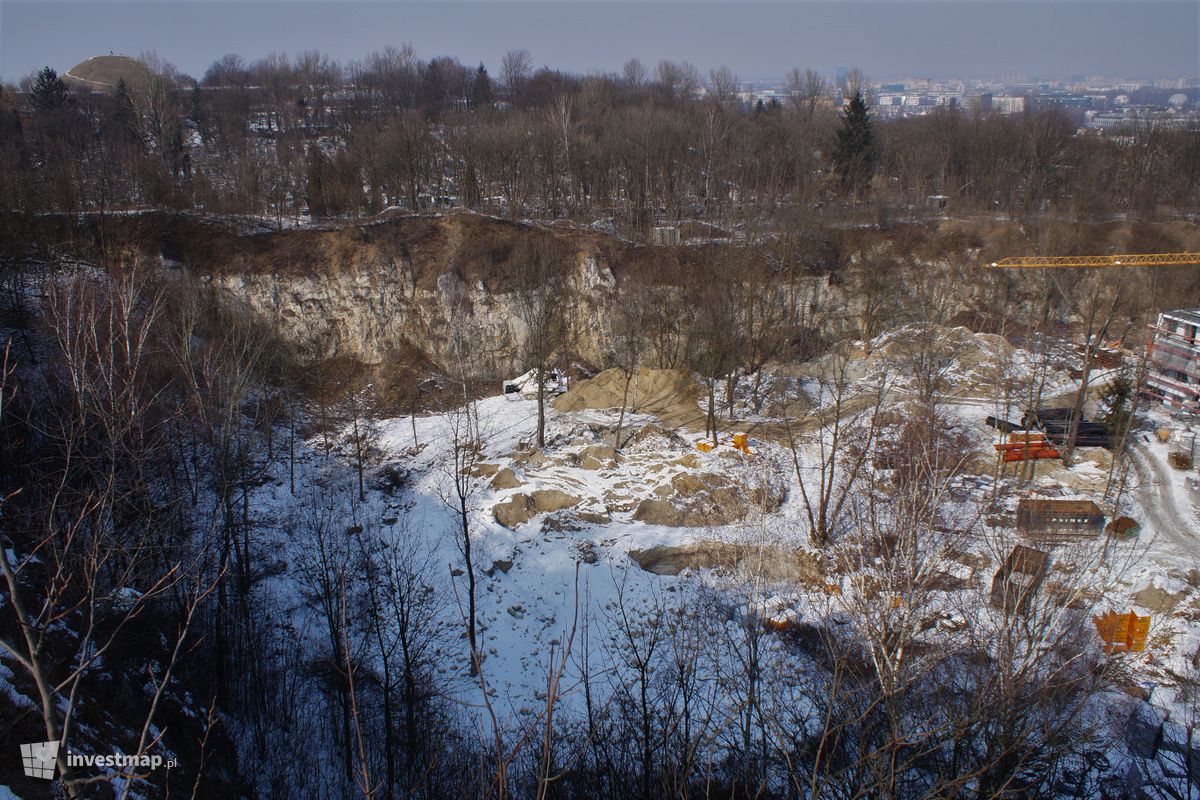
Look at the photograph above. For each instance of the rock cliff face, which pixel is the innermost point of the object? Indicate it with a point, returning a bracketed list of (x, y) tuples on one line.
[(445, 286), (372, 307)]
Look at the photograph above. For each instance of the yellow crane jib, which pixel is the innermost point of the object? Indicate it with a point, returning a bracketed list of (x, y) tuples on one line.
[(1120, 260)]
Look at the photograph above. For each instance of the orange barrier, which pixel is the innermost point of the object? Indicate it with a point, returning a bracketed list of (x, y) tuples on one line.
[(1122, 633), (741, 441)]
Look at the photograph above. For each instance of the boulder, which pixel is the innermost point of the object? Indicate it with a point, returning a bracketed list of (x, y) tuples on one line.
[(516, 510), (600, 454), (506, 479), (660, 512), (595, 517), (534, 458), (523, 507), (499, 565), (553, 500)]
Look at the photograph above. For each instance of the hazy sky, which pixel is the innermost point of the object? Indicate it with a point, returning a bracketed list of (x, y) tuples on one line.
[(757, 40)]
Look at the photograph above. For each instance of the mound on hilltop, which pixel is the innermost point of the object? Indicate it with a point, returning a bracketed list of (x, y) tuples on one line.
[(101, 73)]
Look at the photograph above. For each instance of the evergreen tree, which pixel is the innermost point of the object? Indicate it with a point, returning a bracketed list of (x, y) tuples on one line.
[(125, 117), (1117, 407), (854, 153), (481, 90), (49, 93)]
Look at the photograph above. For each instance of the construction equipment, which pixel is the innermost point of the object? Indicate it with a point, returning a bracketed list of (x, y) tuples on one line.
[(1119, 260)]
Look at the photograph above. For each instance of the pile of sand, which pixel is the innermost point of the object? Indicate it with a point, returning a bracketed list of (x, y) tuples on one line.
[(671, 395)]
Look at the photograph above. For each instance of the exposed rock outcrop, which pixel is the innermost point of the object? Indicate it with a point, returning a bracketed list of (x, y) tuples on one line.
[(770, 562), (521, 507)]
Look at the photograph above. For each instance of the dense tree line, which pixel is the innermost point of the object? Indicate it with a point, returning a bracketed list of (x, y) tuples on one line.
[(282, 137)]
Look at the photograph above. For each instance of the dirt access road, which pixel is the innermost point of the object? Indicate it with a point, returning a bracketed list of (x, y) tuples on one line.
[(1171, 513)]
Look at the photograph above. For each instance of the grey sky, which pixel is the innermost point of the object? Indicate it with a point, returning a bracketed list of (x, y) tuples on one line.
[(757, 40)]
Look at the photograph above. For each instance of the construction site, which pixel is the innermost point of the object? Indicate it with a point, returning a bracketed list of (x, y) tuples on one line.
[(860, 481)]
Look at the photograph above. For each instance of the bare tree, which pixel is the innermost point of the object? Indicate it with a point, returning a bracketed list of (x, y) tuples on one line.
[(460, 487), (541, 286), (842, 431), (1097, 299), (634, 73), (806, 91), (724, 85), (515, 69), (629, 342)]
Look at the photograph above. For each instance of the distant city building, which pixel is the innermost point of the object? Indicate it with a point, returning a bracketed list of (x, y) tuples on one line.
[(843, 77), (1008, 105)]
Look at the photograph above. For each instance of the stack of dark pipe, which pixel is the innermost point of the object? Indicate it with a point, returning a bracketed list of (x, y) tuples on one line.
[(1056, 424)]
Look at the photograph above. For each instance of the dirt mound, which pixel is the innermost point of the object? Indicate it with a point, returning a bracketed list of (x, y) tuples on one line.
[(669, 394), (772, 563)]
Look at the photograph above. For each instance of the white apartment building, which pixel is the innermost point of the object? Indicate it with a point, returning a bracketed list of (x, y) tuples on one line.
[(1174, 374)]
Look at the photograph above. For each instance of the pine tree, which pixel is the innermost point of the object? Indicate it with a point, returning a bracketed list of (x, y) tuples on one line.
[(125, 116), (481, 91), (49, 93), (854, 154)]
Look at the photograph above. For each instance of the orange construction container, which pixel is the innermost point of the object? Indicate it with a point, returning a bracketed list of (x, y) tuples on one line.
[(704, 446), (741, 441), (1122, 633)]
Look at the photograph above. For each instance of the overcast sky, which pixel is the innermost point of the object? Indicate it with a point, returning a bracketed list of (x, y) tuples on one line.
[(757, 40)]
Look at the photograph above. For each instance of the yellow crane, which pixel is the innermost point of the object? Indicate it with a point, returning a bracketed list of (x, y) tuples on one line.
[(1120, 260)]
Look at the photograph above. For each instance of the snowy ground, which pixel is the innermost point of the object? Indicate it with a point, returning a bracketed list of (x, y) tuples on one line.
[(526, 610)]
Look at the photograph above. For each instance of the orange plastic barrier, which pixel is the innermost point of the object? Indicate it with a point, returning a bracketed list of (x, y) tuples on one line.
[(1122, 633), (741, 441)]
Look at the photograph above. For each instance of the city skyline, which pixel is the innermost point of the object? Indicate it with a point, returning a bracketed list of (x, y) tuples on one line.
[(758, 41)]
